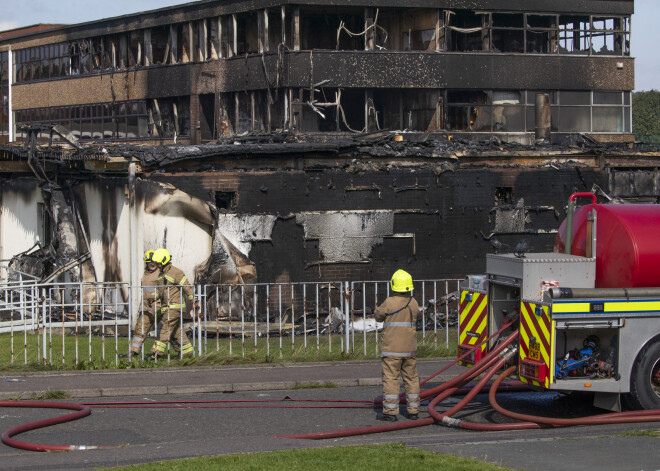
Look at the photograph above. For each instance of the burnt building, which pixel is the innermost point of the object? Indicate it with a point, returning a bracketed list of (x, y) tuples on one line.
[(316, 140), (206, 69)]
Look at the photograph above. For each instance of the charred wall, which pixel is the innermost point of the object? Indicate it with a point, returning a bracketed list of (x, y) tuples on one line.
[(442, 224)]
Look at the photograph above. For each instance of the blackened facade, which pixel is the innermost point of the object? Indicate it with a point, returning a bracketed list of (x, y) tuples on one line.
[(324, 140), (207, 69)]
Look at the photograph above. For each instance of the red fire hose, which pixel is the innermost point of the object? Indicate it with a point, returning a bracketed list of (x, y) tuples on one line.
[(81, 411), (492, 362), (612, 418)]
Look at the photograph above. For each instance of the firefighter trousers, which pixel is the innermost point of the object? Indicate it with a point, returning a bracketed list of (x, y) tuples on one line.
[(172, 331), (142, 327), (406, 367)]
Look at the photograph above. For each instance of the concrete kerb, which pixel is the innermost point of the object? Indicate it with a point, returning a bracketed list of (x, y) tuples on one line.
[(200, 383)]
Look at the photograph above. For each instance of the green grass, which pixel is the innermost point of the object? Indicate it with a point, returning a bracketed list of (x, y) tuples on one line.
[(52, 395), (222, 351), (641, 433), (377, 457)]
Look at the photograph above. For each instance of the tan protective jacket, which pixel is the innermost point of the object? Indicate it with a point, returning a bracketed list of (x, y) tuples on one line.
[(399, 314), (149, 293), (173, 281)]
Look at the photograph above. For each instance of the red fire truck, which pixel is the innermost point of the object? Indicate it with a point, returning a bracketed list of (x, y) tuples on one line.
[(589, 312)]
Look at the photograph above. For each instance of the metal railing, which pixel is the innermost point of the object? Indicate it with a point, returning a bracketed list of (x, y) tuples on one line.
[(70, 324)]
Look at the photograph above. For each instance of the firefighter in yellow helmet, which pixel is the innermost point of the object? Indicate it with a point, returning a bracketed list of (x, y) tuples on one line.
[(399, 313), (149, 293), (177, 297)]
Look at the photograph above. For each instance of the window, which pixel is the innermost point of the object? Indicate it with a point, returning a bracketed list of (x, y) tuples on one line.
[(422, 40), (541, 34), (103, 121), (508, 33), (574, 34), (225, 199), (466, 31)]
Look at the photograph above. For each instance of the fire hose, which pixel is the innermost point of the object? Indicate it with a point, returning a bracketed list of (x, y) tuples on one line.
[(489, 365), (81, 411)]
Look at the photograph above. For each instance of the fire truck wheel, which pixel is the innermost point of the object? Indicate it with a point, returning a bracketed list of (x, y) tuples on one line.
[(645, 381)]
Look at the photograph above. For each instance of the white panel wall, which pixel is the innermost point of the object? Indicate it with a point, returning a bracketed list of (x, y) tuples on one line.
[(19, 229), (188, 242)]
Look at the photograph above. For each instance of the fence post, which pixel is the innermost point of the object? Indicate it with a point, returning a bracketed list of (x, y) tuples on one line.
[(199, 319), (43, 311), (364, 318), (348, 316)]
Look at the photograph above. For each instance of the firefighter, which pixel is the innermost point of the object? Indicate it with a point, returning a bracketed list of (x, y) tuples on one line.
[(150, 280), (175, 295), (399, 313)]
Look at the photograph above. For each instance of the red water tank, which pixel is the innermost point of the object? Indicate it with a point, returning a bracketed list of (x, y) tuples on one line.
[(627, 243)]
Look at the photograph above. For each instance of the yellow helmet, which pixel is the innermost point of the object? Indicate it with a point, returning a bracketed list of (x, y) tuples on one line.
[(162, 256), (148, 256), (401, 282)]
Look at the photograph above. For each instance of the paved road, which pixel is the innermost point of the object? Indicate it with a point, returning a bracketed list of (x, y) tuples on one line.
[(149, 434)]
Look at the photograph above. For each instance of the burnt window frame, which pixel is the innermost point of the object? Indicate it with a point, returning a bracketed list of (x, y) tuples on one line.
[(87, 121)]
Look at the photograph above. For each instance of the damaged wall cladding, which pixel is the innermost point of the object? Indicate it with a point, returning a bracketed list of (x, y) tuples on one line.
[(340, 224), (197, 72)]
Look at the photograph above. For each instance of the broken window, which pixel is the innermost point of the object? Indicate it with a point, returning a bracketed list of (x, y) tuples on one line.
[(225, 199), (244, 112), (97, 51), (421, 110), (259, 111), (609, 36), (574, 34), (508, 33), (160, 44), (541, 34), (417, 28), (272, 29), (503, 195), (508, 111), (466, 31), (170, 118), (135, 48), (468, 111), (318, 112), (212, 38), (226, 114), (352, 110), (207, 125), (420, 40), (247, 33), (103, 121), (320, 30)]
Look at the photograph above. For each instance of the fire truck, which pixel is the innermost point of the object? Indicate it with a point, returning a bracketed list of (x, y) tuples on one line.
[(588, 313)]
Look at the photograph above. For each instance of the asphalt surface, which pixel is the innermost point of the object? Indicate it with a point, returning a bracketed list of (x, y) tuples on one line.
[(150, 434)]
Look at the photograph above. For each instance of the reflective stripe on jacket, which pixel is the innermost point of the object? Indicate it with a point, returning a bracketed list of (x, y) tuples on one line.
[(175, 290), (399, 316)]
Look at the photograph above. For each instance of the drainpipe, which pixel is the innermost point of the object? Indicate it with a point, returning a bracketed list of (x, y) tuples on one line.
[(132, 236), (542, 119)]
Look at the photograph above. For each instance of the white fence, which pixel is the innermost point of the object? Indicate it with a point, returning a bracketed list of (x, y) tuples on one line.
[(72, 323)]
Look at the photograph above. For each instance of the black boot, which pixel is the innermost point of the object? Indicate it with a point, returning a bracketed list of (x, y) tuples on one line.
[(413, 416), (386, 417)]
